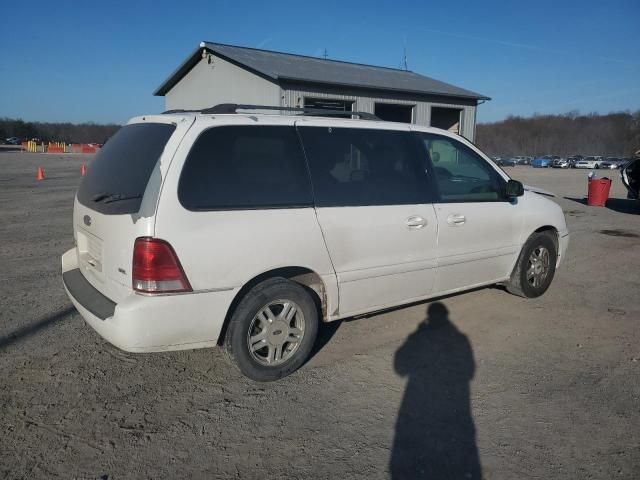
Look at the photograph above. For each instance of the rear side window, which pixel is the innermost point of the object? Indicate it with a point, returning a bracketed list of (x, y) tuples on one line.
[(117, 178), (357, 167), (245, 167)]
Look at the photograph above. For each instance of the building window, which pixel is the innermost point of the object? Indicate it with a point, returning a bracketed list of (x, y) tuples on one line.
[(328, 104)]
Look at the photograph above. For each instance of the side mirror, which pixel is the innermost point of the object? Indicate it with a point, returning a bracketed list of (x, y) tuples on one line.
[(513, 189)]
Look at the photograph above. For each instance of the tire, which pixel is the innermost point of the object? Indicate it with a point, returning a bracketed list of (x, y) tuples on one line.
[(526, 279), (261, 330)]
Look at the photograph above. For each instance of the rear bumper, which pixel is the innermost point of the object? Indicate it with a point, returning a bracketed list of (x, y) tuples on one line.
[(92, 300), (148, 323)]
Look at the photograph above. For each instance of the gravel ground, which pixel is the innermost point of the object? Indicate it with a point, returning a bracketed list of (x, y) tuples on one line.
[(478, 384)]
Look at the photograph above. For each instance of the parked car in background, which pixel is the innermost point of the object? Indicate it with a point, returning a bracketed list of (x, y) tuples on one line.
[(630, 173), (520, 160), (611, 163), (503, 161), (560, 163), (587, 162), (13, 141), (507, 162), (175, 251), (572, 160), (542, 162)]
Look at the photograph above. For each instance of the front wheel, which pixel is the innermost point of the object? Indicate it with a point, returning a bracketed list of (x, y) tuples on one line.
[(273, 329), (536, 266)]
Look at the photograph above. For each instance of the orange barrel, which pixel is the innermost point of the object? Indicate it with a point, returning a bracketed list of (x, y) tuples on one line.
[(598, 191)]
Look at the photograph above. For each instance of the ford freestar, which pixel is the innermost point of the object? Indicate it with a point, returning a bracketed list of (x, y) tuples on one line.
[(194, 229)]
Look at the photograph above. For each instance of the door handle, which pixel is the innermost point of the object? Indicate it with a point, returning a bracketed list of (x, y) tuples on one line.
[(456, 220), (416, 222)]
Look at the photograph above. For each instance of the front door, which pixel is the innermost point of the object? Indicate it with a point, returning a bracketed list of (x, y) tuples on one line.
[(372, 203), (478, 228)]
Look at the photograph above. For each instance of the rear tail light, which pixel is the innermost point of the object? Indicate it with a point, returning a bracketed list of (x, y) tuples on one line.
[(156, 268)]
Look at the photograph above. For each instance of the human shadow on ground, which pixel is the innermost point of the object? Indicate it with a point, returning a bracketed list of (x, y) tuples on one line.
[(435, 436)]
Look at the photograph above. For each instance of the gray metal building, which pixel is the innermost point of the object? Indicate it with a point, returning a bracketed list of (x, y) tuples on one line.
[(217, 73)]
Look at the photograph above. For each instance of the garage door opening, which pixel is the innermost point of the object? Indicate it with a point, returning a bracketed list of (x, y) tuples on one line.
[(328, 104), (446, 118), (393, 112)]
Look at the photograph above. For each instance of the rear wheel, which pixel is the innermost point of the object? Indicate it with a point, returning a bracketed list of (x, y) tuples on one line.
[(536, 266), (273, 329)]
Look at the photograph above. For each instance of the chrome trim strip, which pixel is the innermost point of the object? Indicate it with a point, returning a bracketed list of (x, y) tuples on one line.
[(205, 290)]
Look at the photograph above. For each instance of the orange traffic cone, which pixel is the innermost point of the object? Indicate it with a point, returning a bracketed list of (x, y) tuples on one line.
[(83, 170), (40, 174)]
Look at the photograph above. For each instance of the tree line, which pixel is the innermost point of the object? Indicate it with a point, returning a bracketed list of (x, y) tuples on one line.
[(56, 132), (614, 134)]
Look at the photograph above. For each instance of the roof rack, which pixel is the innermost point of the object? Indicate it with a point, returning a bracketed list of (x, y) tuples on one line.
[(225, 108)]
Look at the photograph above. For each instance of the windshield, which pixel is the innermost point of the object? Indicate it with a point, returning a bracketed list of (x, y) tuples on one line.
[(117, 178)]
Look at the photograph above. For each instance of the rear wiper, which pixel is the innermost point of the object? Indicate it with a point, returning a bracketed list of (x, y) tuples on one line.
[(100, 196), (113, 197)]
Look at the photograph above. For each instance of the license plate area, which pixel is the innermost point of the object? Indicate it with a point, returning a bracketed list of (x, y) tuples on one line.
[(90, 254)]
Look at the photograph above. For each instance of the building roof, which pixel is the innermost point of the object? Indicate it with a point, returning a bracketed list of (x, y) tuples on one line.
[(278, 66)]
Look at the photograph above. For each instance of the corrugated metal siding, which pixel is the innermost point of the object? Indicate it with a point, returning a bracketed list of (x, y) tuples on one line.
[(421, 113)]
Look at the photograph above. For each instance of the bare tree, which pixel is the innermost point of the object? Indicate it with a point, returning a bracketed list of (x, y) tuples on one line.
[(615, 134), (56, 132)]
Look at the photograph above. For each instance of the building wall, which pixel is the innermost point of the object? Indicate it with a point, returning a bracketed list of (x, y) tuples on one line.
[(207, 84), (293, 95), (220, 82)]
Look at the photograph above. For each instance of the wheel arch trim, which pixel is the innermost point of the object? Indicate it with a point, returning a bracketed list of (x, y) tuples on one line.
[(323, 289)]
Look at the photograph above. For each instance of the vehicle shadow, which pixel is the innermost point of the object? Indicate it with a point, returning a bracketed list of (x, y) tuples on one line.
[(621, 205), (26, 331), (435, 434), (326, 331)]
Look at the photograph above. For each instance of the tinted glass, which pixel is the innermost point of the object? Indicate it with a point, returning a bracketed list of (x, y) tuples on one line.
[(462, 175), (117, 177), (245, 167), (353, 167)]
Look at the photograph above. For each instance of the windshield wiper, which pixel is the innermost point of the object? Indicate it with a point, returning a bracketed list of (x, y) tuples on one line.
[(113, 197)]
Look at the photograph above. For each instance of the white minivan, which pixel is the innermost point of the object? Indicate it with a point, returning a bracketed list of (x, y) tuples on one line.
[(196, 229)]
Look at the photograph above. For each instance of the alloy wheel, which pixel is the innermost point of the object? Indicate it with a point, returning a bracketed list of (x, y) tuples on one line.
[(275, 332), (538, 266)]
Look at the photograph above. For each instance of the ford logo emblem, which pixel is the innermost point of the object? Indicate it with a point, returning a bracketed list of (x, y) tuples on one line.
[(87, 220)]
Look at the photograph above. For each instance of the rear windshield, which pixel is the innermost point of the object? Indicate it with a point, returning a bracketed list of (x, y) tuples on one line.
[(117, 178)]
